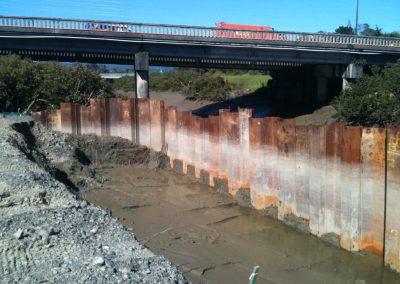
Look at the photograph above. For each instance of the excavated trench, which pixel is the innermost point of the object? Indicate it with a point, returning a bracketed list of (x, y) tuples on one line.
[(207, 234)]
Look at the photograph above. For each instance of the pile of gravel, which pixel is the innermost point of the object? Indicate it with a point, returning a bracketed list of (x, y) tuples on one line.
[(47, 233)]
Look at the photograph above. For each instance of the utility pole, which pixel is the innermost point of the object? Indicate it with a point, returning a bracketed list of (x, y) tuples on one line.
[(356, 28)]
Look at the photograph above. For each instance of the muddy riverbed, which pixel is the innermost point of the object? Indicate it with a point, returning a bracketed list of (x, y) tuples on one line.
[(213, 240)]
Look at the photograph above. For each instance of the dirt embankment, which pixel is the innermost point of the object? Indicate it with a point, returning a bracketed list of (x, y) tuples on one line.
[(47, 233)]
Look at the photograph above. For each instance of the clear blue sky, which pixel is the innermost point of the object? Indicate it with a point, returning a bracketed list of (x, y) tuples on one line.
[(293, 15)]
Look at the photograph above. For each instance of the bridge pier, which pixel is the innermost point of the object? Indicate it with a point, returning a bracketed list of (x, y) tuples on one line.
[(352, 72), (142, 75)]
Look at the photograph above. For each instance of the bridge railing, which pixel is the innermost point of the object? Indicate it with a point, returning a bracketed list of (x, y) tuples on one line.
[(196, 31)]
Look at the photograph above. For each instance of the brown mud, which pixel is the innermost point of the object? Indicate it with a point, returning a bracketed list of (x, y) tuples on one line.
[(214, 240)]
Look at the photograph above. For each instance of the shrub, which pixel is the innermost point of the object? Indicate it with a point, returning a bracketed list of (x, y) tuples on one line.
[(372, 101), (126, 84), (208, 87), (27, 85)]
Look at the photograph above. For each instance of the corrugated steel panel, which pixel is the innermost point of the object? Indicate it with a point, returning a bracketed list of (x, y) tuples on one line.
[(350, 187), (372, 197), (302, 174), (392, 233), (286, 166)]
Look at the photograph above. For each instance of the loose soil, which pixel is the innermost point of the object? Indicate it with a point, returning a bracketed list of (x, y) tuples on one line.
[(48, 233)]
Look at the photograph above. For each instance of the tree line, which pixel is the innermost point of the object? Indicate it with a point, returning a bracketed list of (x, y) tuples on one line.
[(365, 30)]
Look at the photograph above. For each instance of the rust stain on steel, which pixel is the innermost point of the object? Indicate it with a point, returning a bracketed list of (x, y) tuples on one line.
[(334, 138), (66, 117), (214, 144), (172, 117), (351, 187), (198, 137), (286, 177), (334, 134), (157, 130), (392, 234), (115, 117), (214, 128), (286, 136), (129, 118), (98, 116), (171, 133), (233, 127), (318, 193), (144, 121), (223, 142), (302, 174), (86, 121), (351, 147), (271, 198), (234, 159), (257, 127)]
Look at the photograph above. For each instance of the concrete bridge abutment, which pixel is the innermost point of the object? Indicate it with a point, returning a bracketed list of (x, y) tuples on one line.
[(313, 84)]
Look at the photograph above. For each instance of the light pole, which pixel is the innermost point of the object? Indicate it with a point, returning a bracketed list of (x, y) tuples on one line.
[(356, 28)]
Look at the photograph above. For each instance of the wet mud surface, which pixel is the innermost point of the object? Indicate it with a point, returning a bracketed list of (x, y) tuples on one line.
[(213, 240)]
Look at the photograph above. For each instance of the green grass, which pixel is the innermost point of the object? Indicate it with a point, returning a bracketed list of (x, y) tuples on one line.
[(248, 82)]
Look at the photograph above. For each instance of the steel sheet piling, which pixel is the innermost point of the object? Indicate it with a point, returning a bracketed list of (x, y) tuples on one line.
[(270, 194), (116, 121), (256, 162), (336, 180), (392, 230), (317, 189), (214, 135), (372, 199), (67, 118), (334, 141), (156, 124), (244, 140), (350, 187), (144, 121), (302, 173), (286, 166)]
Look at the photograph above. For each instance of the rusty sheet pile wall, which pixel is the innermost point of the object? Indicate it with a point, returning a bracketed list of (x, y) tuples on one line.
[(335, 181)]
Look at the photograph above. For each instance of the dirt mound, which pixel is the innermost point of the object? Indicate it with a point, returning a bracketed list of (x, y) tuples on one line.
[(49, 234), (321, 116), (117, 151)]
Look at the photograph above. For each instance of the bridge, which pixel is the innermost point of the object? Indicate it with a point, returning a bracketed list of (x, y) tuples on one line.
[(322, 57)]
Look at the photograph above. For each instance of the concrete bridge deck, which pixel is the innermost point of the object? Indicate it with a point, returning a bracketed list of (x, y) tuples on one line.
[(176, 45)]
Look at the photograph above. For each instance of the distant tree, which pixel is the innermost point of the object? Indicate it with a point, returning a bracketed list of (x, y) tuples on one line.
[(97, 68), (366, 30), (345, 30), (392, 34)]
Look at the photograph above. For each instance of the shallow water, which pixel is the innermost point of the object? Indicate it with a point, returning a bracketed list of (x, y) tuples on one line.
[(213, 240)]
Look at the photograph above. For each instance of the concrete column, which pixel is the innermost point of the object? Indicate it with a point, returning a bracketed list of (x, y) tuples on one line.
[(142, 75), (352, 72)]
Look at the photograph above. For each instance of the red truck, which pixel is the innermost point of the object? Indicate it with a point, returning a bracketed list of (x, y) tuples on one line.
[(225, 30)]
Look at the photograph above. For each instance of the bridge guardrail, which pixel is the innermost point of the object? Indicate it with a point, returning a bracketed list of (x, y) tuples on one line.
[(196, 31)]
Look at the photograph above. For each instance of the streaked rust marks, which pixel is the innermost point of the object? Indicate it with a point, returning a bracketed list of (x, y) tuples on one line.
[(257, 128), (331, 175), (392, 233), (351, 144)]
